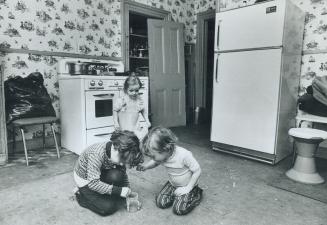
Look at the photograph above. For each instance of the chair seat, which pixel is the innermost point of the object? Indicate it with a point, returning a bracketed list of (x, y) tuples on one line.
[(34, 121), (20, 123), (307, 133)]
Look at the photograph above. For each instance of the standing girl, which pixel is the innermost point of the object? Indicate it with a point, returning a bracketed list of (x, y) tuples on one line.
[(129, 107)]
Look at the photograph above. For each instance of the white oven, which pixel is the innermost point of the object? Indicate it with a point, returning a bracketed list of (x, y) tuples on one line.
[(99, 108), (86, 106)]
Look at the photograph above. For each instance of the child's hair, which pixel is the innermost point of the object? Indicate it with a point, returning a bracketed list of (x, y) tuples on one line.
[(128, 146), (162, 138), (132, 80)]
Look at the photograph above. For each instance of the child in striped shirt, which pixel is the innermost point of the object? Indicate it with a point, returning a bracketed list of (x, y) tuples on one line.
[(100, 172)]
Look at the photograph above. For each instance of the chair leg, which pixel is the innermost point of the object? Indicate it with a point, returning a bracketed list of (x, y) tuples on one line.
[(24, 142), (43, 135), (55, 139)]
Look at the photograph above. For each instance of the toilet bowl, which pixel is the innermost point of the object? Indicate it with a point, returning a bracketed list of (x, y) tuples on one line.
[(307, 141)]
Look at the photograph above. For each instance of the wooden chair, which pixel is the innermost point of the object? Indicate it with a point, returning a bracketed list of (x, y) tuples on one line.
[(21, 123)]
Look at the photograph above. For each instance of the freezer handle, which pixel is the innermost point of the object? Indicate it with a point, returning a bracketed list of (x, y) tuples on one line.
[(217, 34)]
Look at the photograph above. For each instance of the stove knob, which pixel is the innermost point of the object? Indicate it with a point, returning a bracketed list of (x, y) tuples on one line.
[(100, 83), (92, 83), (116, 83)]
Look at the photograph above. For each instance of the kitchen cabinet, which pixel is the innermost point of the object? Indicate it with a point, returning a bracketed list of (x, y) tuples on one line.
[(138, 55), (136, 48)]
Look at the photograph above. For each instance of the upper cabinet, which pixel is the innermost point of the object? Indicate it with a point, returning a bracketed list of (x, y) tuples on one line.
[(138, 54)]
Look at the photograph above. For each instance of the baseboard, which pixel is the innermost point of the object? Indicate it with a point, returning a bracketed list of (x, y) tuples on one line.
[(33, 144)]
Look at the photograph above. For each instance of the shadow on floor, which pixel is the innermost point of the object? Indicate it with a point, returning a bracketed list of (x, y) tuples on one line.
[(35, 156), (194, 134), (43, 164), (317, 192)]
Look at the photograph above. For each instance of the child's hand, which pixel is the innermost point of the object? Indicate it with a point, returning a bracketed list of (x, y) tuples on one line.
[(140, 168), (125, 192), (181, 191)]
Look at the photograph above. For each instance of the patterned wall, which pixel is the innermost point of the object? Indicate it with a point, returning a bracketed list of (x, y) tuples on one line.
[(93, 27), (90, 27), (77, 26)]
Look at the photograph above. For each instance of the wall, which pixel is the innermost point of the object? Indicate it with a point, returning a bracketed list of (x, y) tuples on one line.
[(88, 27), (93, 27)]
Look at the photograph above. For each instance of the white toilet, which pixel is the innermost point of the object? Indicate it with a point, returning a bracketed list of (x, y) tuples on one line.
[(307, 141)]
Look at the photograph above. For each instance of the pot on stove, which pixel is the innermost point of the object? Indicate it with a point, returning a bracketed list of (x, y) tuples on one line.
[(77, 68)]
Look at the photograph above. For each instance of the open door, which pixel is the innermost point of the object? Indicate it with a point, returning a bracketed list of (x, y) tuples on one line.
[(167, 73)]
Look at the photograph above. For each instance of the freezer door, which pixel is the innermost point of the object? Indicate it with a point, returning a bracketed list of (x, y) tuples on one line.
[(255, 26), (245, 101)]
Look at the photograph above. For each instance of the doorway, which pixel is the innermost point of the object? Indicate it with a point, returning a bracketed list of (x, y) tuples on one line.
[(154, 47), (208, 69), (204, 67), (135, 35)]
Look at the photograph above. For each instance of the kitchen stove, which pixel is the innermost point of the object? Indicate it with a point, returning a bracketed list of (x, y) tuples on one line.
[(86, 107)]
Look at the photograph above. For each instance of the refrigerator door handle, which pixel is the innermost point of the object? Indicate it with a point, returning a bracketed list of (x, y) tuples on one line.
[(216, 67), (217, 32)]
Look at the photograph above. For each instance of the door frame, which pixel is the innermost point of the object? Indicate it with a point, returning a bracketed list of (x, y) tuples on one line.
[(201, 56), (3, 128), (130, 6)]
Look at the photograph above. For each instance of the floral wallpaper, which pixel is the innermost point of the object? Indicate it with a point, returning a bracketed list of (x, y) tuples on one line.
[(76, 26), (93, 27), (89, 27), (315, 38)]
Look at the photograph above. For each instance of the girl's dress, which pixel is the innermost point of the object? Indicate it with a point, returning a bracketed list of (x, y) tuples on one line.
[(129, 112)]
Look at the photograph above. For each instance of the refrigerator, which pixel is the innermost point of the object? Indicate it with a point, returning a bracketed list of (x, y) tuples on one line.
[(256, 77)]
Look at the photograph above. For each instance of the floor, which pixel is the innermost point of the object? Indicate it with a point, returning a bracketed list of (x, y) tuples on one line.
[(236, 193)]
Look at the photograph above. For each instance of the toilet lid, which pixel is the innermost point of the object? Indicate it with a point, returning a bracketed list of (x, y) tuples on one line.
[(307, 133)]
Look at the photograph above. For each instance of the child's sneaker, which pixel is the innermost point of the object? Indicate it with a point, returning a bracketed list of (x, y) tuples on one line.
[(197, 196)]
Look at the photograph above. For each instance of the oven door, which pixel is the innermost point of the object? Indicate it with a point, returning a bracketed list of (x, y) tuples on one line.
[(99, 108), (98, 135)]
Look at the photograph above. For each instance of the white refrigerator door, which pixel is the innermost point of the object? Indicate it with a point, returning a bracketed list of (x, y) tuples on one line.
[(254, 26), (245, 99)]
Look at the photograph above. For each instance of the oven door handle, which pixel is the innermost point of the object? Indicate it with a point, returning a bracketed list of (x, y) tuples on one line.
[(104, 95), (104, 134)]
